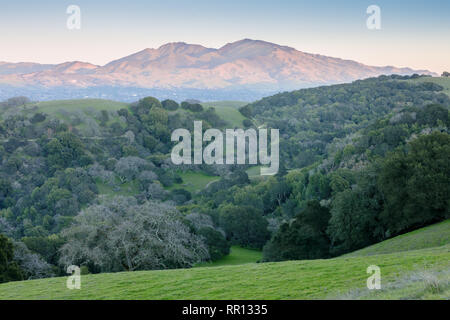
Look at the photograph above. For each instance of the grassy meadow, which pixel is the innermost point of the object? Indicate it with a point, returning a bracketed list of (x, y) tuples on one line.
[(228, 111), (237, 256), (412, 274), (193, 181)]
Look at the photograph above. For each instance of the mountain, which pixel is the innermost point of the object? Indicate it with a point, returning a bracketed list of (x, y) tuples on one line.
[(22, 67), (243, 65)]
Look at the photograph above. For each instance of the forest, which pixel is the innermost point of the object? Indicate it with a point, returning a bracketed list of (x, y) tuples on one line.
[(359, 163)]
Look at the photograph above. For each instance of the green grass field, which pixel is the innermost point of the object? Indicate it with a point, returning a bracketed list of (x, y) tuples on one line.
[(225, 103), (312, 279), (254, 172), (78, 111), (237, 256), (63, 109), (412, 274), (51, 107), (432, 236), (228, 111), (130, 188), (193, 181)]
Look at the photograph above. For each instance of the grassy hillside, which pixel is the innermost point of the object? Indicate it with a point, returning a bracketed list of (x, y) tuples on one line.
[(225, 103), (82, 114), (410, 269), (193, 181), (313, 279), (431, 236), (123, 189), (228, 111), (237, 256), (51, 107)]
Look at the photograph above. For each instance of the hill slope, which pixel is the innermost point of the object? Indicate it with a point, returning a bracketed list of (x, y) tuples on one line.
[(308, 279), (432, 236), (54, 106), (442, 81)]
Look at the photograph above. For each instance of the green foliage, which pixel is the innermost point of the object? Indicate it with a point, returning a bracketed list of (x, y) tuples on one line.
[(170, 105), (47, 247), (310, 279), (144, 105), (431, 114), (194, 107), (302, 238), (180, 196), (334, 144), (5, 193), (65, 150), (212, 118), (218, 246), (247, 123), (237, 256), (244, 226), (309, 119), (353, 224), (247, 111), (415, 184), (9, 269)]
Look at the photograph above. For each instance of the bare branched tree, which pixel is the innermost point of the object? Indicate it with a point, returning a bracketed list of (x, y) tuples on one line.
[(119, 234)]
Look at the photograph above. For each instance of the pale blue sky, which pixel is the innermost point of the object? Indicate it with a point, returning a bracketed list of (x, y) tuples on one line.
[(414, 33)]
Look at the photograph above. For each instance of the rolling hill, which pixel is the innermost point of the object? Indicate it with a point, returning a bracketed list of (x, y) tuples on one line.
[(442, 81), (228, 111), (413, 274), (432, 236)]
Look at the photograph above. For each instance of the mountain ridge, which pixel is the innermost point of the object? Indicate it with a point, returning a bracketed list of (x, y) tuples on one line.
[(244, 64)]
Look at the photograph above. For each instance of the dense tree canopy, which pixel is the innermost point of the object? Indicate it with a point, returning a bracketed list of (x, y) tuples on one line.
[(9, 269), (360, 162), (415, 183)]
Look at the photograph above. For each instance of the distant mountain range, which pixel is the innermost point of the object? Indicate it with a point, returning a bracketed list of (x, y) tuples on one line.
[(246, 65)]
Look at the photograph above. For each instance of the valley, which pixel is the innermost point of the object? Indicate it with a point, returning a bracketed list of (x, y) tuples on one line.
[(348, 194)]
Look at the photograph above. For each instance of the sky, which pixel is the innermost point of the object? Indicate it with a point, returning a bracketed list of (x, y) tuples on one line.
[(413, 33)]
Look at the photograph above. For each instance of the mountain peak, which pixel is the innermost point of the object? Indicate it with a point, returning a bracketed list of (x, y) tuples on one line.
[(183, 48), (247, 48), (178, 44)]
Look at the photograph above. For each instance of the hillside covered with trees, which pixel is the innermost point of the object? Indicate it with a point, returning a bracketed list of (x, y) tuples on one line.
[(360, 163)]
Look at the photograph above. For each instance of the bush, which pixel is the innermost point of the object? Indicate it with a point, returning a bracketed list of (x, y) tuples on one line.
[(415, 184), (9, 269), (247, 123), (195, 107), (244, 226), (170, 105), (430, 115), (303, 238), (180, 196), (218, 246)]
